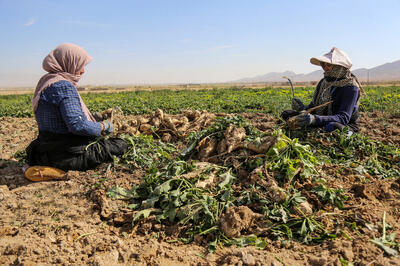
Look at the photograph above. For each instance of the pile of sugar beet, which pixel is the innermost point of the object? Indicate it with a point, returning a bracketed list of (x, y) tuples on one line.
[(249, 185)]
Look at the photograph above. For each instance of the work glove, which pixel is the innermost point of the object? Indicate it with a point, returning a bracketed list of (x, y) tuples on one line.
[(108, 127), (303, 120), (288, 114), (297, 104)]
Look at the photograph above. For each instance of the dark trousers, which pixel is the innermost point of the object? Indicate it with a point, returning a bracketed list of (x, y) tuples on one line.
[(72, 152)]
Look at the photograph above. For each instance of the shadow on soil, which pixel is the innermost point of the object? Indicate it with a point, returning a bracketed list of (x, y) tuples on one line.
[(11, 174)]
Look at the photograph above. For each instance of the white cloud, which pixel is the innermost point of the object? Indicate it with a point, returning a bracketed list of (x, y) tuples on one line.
[(30, 22)]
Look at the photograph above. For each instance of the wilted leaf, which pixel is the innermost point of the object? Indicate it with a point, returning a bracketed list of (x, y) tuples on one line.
[(390, 251), (143, 213), (228, 178), (121, 193)]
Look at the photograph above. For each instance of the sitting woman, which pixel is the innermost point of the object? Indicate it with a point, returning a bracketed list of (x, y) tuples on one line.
[(67, 130), (339, 90)]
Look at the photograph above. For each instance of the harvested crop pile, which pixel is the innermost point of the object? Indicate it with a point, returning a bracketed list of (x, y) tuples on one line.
[(165, 126), (226, 140), (234, 184)]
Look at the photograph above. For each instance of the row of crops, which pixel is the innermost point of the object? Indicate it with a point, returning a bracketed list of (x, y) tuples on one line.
[(233, 100)]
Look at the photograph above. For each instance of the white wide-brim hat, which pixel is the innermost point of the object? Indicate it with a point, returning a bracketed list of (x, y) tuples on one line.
[(334, 57)]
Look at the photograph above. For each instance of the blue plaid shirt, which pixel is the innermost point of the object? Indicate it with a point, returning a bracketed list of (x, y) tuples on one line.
[(59, 111)]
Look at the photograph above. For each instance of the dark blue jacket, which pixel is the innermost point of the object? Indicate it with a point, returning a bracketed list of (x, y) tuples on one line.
[(344, 107)]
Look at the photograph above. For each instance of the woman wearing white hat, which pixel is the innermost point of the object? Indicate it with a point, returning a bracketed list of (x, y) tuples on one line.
[(340, 87)]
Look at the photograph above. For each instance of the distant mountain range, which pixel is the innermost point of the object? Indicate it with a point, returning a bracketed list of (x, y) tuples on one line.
[(385, 72)]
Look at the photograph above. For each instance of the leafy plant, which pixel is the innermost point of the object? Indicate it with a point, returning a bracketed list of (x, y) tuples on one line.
[(289, 157), (146, 152), (355, 151), (330, 195), (169, 195)]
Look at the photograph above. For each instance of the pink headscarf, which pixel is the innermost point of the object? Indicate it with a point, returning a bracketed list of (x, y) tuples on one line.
[(63, 63)]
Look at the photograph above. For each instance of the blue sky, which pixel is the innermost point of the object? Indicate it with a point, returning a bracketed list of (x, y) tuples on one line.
[(138, 41)]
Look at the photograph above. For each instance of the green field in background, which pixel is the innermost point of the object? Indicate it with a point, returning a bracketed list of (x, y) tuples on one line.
[(233, 100)]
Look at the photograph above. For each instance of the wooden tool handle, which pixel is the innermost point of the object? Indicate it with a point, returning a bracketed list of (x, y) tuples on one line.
[(292, 122), (317, 107)]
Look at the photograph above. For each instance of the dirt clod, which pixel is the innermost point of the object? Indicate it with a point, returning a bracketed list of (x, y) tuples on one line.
[(248, 259), (236, 220)]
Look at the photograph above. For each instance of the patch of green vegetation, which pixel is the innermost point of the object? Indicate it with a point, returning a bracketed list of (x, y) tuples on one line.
[(357, 152), (146, 152), (231, 100)]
